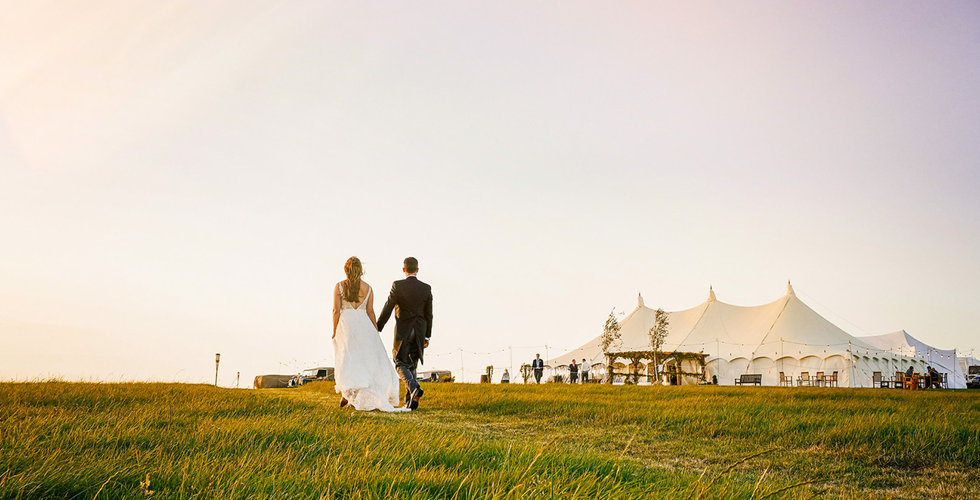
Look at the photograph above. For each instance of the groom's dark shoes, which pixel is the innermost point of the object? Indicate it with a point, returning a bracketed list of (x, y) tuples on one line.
[(416, 396), (412, 398)]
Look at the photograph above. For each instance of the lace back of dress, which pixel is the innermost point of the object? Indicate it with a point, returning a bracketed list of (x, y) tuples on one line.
[(344, 304)]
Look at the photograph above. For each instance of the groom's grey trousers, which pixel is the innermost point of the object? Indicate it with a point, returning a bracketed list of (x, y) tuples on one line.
[(407, 373)]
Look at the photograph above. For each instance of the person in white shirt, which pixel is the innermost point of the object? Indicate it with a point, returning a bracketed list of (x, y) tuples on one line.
[(584, 369)]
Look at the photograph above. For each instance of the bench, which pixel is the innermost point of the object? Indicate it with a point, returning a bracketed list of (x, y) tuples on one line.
[(749, 378)]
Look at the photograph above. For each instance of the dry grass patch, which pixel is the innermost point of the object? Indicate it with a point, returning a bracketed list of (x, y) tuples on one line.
[(61, 440)]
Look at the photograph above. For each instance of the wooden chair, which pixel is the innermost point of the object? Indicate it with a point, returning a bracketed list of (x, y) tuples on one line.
[(832, 380), (877, 381), (804, 379), (899, 377), (786, 380), (820, 379)]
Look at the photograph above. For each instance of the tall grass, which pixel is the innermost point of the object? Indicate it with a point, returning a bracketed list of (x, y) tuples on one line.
[(62, 440)]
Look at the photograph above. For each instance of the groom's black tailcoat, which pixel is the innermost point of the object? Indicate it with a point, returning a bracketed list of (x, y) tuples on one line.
[(411, 301)]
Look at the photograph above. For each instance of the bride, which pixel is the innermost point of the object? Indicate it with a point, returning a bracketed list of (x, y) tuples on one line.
[(365, 376)]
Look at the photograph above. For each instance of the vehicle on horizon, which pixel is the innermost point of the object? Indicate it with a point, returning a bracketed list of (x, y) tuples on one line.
[(436, 376), (312, 375)]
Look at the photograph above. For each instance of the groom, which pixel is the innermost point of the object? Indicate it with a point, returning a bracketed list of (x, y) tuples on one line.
[(411, 301)]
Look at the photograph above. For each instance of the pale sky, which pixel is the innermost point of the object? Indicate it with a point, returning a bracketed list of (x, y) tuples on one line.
[(184, 178)]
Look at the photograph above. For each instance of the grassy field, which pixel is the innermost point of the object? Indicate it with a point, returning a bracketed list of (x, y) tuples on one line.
[(62, 440)]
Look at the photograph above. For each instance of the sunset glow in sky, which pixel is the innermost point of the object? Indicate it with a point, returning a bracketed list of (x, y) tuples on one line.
[(184, 178)]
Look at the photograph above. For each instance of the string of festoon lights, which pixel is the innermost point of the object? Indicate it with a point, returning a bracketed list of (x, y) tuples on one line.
[(448, 359), (910, 352), (490, 359)]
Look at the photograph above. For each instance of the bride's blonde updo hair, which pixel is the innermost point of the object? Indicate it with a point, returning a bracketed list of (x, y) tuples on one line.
[(354, 271)]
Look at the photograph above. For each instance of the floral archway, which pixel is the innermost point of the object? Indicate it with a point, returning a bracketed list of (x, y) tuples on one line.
[(693, 362)]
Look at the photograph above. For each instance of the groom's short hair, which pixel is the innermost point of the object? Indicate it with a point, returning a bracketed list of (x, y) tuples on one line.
[(411, 265)]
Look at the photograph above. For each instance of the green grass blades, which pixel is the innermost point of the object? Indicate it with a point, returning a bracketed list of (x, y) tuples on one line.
[(66, 440)]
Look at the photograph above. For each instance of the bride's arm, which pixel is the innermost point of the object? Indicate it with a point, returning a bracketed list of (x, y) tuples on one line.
[(370, 308), (336, 308)]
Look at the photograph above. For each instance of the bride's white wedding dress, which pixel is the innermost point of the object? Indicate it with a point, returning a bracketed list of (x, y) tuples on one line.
[(364, 375)]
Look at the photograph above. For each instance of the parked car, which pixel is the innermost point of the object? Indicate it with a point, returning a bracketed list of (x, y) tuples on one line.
[(436, 376), (313, 374), (973, 382)]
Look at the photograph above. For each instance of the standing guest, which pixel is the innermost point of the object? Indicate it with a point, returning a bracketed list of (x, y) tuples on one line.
[(573, 372), (584, 368), (538, 365), (505, 379)]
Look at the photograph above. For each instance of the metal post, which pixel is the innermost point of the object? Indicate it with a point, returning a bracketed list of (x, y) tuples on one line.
[(238, 376), (217, 359)]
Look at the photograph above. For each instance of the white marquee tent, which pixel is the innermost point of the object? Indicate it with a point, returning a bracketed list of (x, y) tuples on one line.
[(943, 360), (781, 336), (965, 362)]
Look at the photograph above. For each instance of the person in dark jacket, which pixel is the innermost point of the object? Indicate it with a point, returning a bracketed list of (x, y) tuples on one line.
[(411, 301), (538, 365)]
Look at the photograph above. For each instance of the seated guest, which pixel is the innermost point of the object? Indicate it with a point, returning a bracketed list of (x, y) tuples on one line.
[(910, 371), (934, 378), (505, 379)]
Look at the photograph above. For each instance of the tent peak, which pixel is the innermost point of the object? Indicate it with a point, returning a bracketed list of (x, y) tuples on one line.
[(789, 289), (711, 294), (639, 299)]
